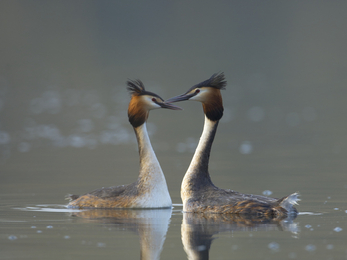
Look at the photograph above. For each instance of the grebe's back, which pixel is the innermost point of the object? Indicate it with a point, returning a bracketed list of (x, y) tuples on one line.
[(215, 200)]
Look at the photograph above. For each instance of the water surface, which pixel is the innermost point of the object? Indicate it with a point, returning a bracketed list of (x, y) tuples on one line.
[(64, 126)]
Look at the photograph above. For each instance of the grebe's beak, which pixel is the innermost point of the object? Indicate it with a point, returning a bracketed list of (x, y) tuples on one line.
[(168, 106), (182, 97)]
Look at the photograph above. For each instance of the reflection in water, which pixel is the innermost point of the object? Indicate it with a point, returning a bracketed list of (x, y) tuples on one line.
[(151, 225), (197, 229)]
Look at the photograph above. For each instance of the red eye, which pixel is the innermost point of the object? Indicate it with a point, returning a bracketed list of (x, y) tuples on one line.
[(197, 91), (154, 100)]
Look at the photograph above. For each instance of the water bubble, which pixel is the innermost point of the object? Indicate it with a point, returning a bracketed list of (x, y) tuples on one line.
[(33, 226), (4, 138), (49, 227), (310, 248), (39, 231), (101, 244), (337, 229), (24, 147), (274, 246), (256, 114), (51, 101), (308, 226), (47, 131), (267, 192), (76, 141), (66, 237), (201, 248), (246, 147), (329, 247), (12, 237), (336, 208)]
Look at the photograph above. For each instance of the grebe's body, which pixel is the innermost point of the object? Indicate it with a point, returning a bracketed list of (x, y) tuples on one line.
[(198, 193), (150, 189)]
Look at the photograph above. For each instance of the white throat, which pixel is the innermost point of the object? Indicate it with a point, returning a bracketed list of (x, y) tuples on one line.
[(202, 145), (151, 178), (197, 172)]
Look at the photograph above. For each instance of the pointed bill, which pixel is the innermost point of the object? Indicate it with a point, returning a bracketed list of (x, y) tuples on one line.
[(169, 106), (182, 97)]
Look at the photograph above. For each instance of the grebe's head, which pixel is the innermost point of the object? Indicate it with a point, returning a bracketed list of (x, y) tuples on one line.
[(142, 101), (208, 93)]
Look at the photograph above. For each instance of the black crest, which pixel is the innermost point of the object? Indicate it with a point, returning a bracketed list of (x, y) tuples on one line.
[(136, 87), (217, 81)]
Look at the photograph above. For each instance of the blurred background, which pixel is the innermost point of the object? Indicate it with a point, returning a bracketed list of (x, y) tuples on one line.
[(63, 99)]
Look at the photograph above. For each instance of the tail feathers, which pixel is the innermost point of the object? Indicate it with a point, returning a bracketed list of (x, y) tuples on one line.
[(289, 201), (71, 197)]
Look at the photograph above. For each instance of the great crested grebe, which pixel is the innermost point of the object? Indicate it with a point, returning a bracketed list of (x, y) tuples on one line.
[(150, 189), (198, 193)]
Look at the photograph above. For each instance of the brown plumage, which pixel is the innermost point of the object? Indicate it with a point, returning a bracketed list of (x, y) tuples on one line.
[(137, 113), (138, 108), (213, 106)]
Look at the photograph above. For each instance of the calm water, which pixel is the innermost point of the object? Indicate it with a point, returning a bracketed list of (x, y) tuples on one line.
[(52, 231), (64, 127), (35, 223)]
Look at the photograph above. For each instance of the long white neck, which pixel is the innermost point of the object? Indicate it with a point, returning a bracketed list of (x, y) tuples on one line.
[(197, 175), (151, 184)]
